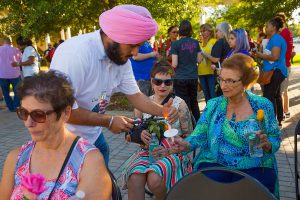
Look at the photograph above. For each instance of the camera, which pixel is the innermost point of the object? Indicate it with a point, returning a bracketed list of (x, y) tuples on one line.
[(138, 126)]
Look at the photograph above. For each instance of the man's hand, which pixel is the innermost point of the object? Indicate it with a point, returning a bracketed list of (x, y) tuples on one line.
[(121, 124), (169, 112), (15, 64)]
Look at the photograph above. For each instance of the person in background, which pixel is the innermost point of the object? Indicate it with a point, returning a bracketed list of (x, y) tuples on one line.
[(238, 42), (47, 52), (156, 46), (186, 54), (260, 38), (169, 168), (46, 105), (142, 64), (9, 75), (220, 132), (287, 35), (219, 50), (165, 48), (206, 74), (274, 59), (29, 63), (251, 42)]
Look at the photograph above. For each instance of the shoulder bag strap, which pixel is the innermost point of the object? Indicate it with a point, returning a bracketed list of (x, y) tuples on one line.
[(171, 95), (64, 165)]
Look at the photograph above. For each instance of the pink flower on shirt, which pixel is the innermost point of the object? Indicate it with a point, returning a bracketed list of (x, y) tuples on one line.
[(33, 185)]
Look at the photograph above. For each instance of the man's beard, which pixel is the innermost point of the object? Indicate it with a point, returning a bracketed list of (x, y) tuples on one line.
[(113, 52)]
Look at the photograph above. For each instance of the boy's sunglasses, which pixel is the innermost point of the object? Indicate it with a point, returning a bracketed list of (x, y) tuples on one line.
[(38, 116), (158, 82)]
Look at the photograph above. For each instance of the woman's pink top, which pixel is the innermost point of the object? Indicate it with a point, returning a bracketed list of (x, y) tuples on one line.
[(68, 181)]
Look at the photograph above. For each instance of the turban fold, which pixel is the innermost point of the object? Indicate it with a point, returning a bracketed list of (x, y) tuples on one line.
[(128, 24)]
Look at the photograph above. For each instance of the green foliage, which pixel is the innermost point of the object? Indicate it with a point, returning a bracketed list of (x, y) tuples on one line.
[(157, 127), (251, 14), (38, 17), (295, 28), (35, 18)]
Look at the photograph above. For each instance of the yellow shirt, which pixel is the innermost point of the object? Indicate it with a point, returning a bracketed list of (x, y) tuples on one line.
[(204, 66)]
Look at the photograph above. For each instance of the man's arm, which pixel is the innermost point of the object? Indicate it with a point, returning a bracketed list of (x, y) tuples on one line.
[(30, 61), (174, 60), (81, 116), (116, 124), (146, 105), (144, 56)]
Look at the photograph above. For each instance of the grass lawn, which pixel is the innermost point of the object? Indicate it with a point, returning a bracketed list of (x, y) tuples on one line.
[(296, 60)]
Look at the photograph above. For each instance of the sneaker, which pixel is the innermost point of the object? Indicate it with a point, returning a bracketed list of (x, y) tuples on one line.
[(280, 125), (287, 115), (283, 117)]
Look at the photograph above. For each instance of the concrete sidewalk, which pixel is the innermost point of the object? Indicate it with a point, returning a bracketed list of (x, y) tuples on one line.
[(13, 133)]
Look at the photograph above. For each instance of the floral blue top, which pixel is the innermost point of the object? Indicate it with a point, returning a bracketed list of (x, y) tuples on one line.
[(222, 140)]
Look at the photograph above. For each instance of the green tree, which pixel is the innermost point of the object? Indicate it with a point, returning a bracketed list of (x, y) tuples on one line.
[(38, 17), (251, 14)]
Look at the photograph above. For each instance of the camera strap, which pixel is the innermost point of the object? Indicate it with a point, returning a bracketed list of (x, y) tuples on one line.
[(171, 95)]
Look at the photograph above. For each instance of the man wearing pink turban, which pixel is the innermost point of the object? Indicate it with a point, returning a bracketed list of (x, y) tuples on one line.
[(97, 65)]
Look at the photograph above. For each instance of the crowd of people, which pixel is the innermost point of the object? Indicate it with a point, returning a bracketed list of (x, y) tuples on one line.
[(64, 109)]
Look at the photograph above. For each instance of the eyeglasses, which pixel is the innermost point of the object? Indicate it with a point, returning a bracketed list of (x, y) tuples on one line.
[(37, 115), (158, 82), (174, 31), (229, 82)]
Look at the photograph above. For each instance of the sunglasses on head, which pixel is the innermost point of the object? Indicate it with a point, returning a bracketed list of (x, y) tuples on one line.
[(38, 116), (157, 81)]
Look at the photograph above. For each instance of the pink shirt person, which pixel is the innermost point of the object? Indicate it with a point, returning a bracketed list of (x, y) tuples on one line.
[(9, 54)]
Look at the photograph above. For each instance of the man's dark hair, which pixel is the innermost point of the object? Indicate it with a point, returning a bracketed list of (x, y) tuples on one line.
[(52, 87), (185, 28), (24, 41)]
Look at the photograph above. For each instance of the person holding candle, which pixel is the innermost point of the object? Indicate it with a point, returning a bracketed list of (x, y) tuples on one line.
[(220, 132), (68, 163), (159, 176)]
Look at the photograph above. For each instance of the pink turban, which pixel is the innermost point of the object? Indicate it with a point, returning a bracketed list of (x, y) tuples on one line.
[(128, 24)]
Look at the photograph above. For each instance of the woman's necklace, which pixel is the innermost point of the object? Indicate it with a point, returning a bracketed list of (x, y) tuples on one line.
[(233, 116)]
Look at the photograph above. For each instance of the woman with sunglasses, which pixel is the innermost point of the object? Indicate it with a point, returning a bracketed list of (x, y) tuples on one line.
[(46, 104), (165, 49), (161, 175), (222, 131)]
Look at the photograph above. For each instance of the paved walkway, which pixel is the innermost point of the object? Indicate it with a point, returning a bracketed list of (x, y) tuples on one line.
[(13, 133)]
